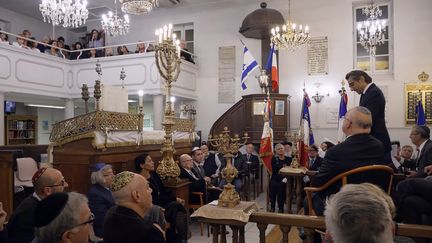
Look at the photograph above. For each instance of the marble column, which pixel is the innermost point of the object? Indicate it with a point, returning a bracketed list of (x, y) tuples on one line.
[(2, 119), (69, 109), (158, 111)]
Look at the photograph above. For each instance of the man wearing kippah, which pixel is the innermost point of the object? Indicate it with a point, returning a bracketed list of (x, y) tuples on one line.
[(125, 222), (46, 181), (63, 217)]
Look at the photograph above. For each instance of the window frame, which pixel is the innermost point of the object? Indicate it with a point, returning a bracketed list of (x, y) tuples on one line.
[(183, 28), (372, 59)]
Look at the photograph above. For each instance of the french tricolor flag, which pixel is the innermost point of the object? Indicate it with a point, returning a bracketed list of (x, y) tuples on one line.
[(272, 68)]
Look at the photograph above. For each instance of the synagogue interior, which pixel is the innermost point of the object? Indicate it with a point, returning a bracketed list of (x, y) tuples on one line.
[(215, 121)]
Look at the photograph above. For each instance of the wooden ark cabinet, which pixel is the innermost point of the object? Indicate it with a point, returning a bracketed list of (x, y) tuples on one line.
[(20, 129)]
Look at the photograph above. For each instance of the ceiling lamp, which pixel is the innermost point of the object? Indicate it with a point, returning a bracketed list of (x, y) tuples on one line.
[(66, 12), (289, 36), (114, 25), (138, 7), (371, 32)]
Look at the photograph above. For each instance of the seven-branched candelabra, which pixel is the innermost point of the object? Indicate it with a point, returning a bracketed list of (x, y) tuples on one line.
[(227, 146), (168, 63)]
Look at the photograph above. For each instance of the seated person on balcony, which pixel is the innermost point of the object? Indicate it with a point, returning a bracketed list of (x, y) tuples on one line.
[(43, 47), (150, 48), (420, 138), (360, 213), (99, 196), (184, 53), (4, 38), (20, 42), (93, 53), (32, 45), (212, 164), (46, 181), (77, 54), (240, 164), (126, 221), (359, 149), (122, 50), (197, 184), (53, 49), (277, 187), (252, 161), (26, 34), (140, 47)]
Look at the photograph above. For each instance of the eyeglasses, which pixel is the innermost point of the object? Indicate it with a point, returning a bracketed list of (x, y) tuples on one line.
[(89, 221), (62, 183)]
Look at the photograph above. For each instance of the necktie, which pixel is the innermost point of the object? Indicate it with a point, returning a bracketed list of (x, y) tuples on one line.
[(193, 175)]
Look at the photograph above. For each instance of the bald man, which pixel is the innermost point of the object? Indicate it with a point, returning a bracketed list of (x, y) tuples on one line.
[(359, 149), (125, 222), (46, 181)]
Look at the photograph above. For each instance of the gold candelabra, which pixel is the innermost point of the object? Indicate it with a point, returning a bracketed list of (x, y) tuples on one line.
[(85, 96), (226, 146), (167, 54)]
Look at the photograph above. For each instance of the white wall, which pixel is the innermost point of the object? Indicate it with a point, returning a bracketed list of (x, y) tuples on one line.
[(47, 115)]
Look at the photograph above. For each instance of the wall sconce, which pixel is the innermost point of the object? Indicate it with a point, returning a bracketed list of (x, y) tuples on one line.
[(318, 97)]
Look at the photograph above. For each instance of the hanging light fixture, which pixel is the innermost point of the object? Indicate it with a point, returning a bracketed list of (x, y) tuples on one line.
[(66, 12), (290, 36), (138, 7), (372, 31), (114, 25)]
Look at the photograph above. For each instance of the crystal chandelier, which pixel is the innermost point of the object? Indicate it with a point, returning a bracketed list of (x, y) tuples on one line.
[(66, 12), (138, 6), (114, 25), (289, 37), (372, 31)]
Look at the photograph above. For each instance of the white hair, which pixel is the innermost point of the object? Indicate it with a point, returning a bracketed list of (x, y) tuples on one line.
[(97, 177), (358, 214)]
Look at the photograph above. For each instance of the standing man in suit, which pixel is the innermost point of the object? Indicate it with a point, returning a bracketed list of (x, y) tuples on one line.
[(359, 149), (252, 161), (420, 137), (314, 160), (372, 98)]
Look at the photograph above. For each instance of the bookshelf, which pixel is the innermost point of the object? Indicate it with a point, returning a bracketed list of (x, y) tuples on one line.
[(21, 129)]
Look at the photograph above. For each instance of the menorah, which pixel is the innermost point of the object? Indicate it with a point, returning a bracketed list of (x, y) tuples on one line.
[(227, 146), (167, 54)]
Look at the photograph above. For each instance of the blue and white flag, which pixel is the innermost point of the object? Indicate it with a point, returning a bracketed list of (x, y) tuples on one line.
[(249, 64), (420, 115), (342, 111)]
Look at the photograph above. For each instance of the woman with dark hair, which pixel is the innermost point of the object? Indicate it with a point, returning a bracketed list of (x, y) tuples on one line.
[(324, 146), (77, 54), (174, 211), (4, 38), (96, 41), (122, 50), (53, 49), (161, 196)]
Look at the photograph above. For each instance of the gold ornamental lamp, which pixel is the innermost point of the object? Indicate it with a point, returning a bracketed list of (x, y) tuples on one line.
[(167, 54), (227, 145), (295, 166)]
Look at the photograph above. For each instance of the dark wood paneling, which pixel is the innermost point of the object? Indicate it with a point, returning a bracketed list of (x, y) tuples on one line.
[(7, 161)]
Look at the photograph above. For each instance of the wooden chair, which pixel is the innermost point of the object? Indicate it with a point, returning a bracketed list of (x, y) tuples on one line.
[(380, 175), (194, 207)]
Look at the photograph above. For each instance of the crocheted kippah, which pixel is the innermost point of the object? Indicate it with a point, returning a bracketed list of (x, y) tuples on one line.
[(121, 180)]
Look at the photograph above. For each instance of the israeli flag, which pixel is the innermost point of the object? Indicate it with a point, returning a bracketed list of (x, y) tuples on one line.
[(249, 64)]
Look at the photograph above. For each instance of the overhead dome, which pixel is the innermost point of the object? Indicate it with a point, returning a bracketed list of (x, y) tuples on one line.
[(257, 24)]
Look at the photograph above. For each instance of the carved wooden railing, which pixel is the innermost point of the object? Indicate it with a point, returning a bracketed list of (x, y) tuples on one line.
[(94, 121), (310, 223)]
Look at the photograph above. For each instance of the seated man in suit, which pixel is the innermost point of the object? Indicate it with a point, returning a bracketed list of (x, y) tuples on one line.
[(252, 161), (197, 184), (212, 163), (198, 162), (46, 181), (420, 138), (359, 149)]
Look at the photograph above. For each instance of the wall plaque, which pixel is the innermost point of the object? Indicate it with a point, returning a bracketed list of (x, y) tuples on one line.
[(227, 72), (317, 53), (414, 92)]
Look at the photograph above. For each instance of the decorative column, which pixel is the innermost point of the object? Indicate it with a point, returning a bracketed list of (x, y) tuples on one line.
[(69, 109), (2, 119), (158, 108)]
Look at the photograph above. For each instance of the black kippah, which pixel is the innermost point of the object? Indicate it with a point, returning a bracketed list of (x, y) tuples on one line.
[(49, 208)]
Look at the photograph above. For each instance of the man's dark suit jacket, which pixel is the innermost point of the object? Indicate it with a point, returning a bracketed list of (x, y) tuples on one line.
[(253, 159), (100, 201), (125, 225), (424, 159), (316, 164), (210, 166), (161, 195), (374, 100), (195, 186), (356, 151), (21, 223)]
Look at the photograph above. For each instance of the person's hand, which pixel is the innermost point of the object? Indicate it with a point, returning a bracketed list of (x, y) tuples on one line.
[(181, 201), (412, 174), (207, 179), (214, 176), (428, 169), (3, 215)]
